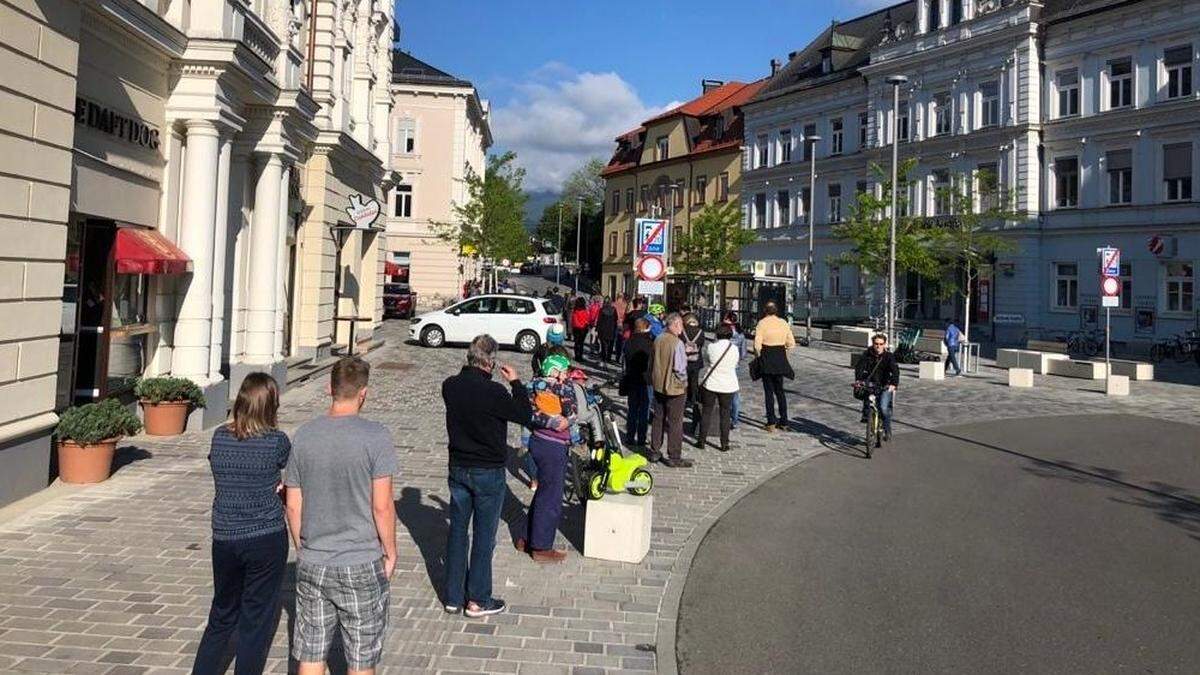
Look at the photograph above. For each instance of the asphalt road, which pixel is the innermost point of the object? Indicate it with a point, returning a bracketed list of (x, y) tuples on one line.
[(1044, 545)]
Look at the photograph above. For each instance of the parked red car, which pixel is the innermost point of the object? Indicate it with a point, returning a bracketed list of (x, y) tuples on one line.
[(399, 301)]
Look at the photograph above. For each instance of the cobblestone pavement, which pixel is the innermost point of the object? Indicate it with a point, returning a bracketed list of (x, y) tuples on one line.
[(115, 578)]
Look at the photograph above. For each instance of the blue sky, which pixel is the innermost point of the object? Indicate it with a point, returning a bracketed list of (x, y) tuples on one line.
[(566, 76)]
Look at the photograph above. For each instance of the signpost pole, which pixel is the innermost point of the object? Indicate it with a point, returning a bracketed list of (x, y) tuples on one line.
[(1107, 344)]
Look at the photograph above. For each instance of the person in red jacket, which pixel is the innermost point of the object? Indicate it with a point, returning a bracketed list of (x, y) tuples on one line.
[(580, 321)]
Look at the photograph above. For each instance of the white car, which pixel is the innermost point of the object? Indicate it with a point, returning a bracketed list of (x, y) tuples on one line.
[(517, 320)]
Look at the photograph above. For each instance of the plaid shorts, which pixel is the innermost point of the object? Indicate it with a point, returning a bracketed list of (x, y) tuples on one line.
[(355, 598)]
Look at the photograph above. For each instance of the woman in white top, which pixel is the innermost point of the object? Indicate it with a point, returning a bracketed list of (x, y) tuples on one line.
[(718, 385)]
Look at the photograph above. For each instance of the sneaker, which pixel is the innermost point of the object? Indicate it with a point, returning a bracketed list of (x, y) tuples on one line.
[(493, 606), (452, 609)]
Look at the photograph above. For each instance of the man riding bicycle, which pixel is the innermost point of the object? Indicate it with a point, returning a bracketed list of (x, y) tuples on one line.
[(879, 371)]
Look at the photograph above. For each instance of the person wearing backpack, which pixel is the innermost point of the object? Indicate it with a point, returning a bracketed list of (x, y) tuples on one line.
[(693, 350), (719, 385)]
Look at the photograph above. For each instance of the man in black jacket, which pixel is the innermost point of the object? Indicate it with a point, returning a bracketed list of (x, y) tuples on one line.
[(878, 368), (635, 382), (478, 412)]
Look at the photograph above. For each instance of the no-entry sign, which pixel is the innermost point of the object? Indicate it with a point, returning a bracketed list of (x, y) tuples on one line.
[(651, 268)]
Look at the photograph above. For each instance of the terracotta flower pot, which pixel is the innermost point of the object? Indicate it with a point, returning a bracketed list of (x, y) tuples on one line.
[(165, 419), (85, 463)]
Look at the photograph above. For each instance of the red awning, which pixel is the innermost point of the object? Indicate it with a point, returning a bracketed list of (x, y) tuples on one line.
[(144, 251), (390, 268)]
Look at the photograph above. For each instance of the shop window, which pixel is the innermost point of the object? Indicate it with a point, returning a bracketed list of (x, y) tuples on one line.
[(1066, 284), (129, 331), (1180, 287)]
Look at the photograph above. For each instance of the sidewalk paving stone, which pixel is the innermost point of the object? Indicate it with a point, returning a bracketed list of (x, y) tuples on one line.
[(119, 574)]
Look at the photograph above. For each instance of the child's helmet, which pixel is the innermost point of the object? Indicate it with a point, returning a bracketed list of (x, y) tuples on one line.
[(657, 309), (555, 334), (553, 363)]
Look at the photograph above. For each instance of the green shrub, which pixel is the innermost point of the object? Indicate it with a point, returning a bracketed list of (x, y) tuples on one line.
[(170, 390), (95, 422)]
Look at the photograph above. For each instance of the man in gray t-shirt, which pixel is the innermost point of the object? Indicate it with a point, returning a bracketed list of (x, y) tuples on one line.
[(343, 524)]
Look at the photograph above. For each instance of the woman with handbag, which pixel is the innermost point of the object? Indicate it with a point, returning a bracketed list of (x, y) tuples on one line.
[(719, 385), (772, 340)]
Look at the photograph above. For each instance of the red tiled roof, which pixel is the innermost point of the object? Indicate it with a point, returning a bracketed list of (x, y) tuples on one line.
[(705, 109)]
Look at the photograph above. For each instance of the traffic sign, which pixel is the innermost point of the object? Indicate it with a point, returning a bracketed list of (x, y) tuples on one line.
[(1110, 291), (646, 287), (652, 236), (1110, 262), (651, 268)]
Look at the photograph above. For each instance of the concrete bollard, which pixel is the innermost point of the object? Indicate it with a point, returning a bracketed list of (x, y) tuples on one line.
[(1118, 385), (931, 370), (617, 527), (1020, 377)]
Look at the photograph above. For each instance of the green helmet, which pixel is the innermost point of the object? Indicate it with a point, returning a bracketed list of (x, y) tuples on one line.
[(657, 310), (555, 362)]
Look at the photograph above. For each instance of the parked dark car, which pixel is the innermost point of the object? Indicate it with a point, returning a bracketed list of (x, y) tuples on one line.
[(533, 268), (399, 301)]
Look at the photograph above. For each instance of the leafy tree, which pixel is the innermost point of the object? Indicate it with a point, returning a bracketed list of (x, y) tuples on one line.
[(547, 226), (490, 224), (586, 182), (967, 239), (715, 242)]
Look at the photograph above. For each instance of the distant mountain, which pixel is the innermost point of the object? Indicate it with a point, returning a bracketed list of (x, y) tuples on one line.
[(537, 202)]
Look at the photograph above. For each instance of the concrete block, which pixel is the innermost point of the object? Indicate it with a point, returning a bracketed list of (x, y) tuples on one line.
[(30, 319), (16, 114), (854, 336), (1027, 358), (9, 358), (19, 32), (1117, 385), (12, 279), (43, 281), (618, 528), (1087, 370), (1020, 377), (38, 357), (934, 345), (931, 370), (1134, 370), (14, 198), (26, 398)]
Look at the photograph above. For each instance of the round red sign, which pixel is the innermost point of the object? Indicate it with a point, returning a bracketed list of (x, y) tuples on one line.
[(651, 268), (1111, 286)]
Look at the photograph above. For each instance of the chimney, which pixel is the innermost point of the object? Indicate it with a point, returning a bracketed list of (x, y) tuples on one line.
[(774, 67), (708, 85)]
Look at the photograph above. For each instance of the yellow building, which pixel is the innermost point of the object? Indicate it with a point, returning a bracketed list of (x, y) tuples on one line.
[(672, 166)]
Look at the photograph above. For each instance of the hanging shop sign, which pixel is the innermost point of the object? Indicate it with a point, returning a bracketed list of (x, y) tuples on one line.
[(106, 120), (363, 212)]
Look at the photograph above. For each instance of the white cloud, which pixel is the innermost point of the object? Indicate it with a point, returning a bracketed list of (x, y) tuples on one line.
[(559, 118)]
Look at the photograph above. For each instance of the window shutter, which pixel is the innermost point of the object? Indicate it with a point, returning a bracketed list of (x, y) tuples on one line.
[(1177, 160), (1178, 55), (1119, 159)]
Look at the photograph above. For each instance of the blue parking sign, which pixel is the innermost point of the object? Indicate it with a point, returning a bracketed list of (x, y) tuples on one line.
[(652, 236)]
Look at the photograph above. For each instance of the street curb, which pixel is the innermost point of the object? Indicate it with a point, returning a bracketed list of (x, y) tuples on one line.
[(668, 609)]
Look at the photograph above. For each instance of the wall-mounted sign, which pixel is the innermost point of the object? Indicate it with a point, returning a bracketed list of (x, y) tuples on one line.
[(1009, 318), (363, 212), (95, 116)]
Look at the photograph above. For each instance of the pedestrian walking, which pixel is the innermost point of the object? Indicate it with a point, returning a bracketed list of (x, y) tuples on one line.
[(739, 342), (952, 340), (580, 321), (249, 535), (772, 340), (635, 383), (718, 386), (693, 349), (343, 521), (552, 400), (478, 412), (668, 374), (878, 367), (606, 330)]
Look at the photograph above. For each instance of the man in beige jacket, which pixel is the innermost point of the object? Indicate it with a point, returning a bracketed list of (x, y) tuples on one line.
[(668, 376)]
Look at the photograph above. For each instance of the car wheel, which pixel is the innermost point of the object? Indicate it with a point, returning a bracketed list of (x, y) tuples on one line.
[(432, 336), (527, 341)]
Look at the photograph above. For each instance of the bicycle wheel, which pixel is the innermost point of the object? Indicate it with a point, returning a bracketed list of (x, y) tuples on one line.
[(869, 437), (1157, 352), (1092, 347), (1181, 353)]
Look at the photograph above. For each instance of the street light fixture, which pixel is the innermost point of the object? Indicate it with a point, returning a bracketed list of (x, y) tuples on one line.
[(896, 81), (578, 238), (558, 250), (811, 217)]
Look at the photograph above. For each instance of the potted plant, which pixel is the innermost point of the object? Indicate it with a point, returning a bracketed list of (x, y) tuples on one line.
[(87, 439), (166, 402)]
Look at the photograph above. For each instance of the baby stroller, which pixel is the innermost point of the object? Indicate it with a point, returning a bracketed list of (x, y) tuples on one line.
[(606, 467)]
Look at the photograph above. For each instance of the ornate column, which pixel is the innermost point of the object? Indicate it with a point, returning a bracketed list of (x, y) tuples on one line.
[(280, 286), (193, 327), (264, 259), (220, 238)]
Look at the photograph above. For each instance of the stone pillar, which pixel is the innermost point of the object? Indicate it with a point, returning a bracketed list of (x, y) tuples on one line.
[(220, 238), (280, 287), (193, 327), (264, 259)]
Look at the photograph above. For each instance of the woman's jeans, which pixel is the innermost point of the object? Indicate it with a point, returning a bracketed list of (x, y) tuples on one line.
[(247, 579), (546, 509), (476, 494)]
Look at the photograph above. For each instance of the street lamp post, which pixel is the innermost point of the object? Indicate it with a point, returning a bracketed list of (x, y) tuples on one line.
[(578, 238), (558, 250), (811, 217), (896, 81)]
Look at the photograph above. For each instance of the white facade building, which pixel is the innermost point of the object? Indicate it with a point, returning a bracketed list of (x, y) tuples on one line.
[(1067, 113)]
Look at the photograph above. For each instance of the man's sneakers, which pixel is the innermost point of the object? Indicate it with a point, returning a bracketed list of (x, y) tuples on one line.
[(475, 610), (452, 609)]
